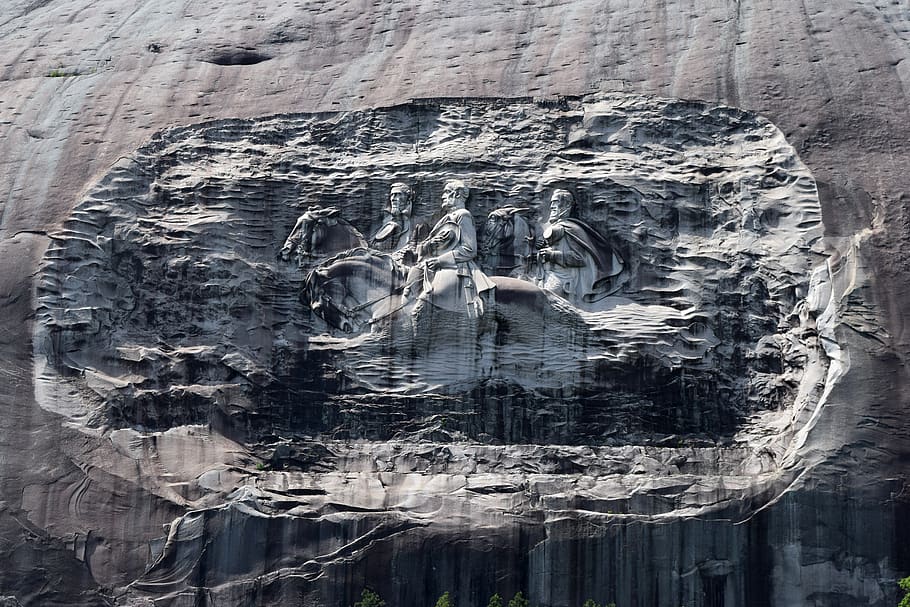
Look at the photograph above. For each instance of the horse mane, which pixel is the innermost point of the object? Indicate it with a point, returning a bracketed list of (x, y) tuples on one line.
[(510, 210), (332, 260), (356, 251), (357, 232)]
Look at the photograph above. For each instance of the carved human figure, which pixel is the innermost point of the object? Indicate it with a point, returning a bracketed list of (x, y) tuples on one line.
[(446, 273), (576, 262), (398, 234)]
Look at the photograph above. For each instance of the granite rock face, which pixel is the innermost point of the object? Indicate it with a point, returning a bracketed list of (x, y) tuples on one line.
[(178, 427), (163, 308)]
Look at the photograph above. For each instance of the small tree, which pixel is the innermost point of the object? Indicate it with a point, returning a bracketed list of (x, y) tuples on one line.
[(495, 601), (368, 598), (519, 600), (445, 601), (591, 603), (905, 586)]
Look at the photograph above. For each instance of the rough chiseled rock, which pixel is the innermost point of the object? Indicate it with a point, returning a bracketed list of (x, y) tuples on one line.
[(164, 294), (163, 304), (802, 503)]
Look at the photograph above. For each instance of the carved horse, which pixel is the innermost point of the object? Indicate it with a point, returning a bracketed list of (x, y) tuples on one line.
[(508, 242), (359, 286), (320, 233), (354, 288)]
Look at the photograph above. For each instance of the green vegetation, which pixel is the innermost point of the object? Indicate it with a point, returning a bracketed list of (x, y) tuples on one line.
[(495, 601), (62, 73), (905, 586), (519, 600), (368, 598)]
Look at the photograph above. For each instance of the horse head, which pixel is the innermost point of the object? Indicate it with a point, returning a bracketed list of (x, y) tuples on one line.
[(348, 290), (507, 236), (319, 232), (326, 300), (498, 230)]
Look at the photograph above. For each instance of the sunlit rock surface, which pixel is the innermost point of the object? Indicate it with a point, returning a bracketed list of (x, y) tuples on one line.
[(133, 467)]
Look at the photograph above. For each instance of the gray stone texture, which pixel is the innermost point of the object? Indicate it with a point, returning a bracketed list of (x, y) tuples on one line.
[(794, 506)]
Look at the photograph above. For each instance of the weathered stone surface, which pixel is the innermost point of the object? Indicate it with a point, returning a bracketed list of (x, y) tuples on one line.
[(822, 523), (164, 301)]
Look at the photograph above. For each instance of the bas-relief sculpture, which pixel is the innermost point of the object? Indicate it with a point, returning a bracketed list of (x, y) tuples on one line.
[(319, 232), (572, 260), (576, 262), (399, 234), (509, 239), (623, 276), (451, 278), (560, 269)]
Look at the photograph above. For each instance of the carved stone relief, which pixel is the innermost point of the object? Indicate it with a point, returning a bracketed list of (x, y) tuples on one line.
[(603, 270)]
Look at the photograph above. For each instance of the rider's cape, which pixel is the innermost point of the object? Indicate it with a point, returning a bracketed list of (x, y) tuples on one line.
[(595, 279)]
